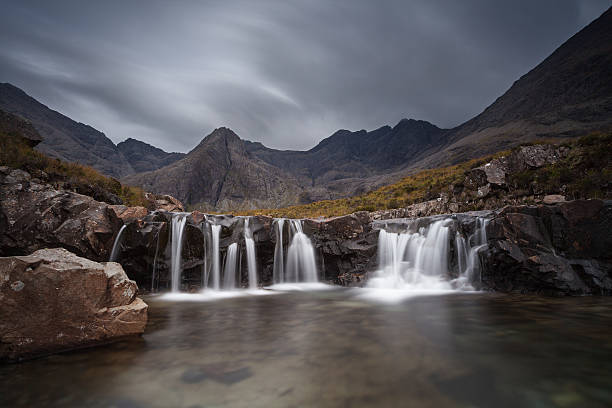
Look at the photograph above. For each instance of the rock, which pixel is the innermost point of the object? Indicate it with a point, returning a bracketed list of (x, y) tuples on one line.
[(553, 199), (164, 202), (525, 157), (129, 214), (35, 216), (53, 300), (561, 249)]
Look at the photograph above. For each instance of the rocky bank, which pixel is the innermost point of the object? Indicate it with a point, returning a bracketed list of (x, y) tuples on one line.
[(53, 300)]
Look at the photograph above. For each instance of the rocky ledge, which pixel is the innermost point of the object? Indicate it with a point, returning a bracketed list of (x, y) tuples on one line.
[(53, 300)]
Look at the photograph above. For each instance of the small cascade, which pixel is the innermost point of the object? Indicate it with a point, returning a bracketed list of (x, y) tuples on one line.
[(155, 261), (251, 259), (279, 255), (116, 245), (467, 254), (178, 226), (301, 265), (216, 265), (421, 259), (229, 272)]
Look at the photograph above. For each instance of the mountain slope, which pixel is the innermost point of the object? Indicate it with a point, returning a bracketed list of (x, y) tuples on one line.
[(219, 174), (64, 138), (566, 95), (144, 157)]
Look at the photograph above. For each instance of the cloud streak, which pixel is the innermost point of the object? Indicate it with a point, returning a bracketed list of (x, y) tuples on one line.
[(286, 73)]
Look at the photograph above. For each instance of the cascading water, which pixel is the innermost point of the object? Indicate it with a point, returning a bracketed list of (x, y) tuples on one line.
[(468, 261), (216, 266), (251, 259), (178, 226), (279, 255), (421, 260), (116, 247), (229, 272), (301, 265)]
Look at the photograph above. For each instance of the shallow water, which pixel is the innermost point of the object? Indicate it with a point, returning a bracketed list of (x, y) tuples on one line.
[(337, 348)]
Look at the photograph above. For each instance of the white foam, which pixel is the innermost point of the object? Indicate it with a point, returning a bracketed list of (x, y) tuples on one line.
[(301, 287), (209, 295)]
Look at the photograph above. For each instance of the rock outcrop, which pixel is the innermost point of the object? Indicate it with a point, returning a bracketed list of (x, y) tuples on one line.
[(53, 300), (563, 249), (164, 202), (34, 215)]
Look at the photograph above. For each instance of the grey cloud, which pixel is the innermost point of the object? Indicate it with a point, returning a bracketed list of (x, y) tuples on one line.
[(286, 73)]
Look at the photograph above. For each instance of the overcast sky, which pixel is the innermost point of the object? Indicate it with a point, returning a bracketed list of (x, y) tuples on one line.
[(286, 73)]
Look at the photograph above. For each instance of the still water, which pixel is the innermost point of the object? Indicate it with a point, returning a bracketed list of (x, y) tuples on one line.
[(334, 348)]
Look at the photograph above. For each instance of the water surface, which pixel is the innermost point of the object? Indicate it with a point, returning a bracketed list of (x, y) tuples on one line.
[(336, 349)]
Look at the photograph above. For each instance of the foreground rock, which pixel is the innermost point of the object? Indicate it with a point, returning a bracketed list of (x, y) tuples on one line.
[(53, 300)]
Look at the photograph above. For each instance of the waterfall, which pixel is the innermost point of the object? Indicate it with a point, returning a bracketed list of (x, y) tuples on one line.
[(301, 265), (250, 250), (416, 260), (421, 260), (155, 261), (279, 256), (216, 267), (229, 272), (178, 226), (467, 254), (116, 248)]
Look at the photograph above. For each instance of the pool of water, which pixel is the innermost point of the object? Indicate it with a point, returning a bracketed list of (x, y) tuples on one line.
[(337, 348)]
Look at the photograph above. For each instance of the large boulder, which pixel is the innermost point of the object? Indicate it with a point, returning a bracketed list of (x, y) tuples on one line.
[(34, 215), (562, 249), (53, 300)]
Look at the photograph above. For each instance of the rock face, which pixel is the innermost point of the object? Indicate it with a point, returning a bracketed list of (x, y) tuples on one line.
[(34, 215), (564, 249), (14, 125), (52, 301)]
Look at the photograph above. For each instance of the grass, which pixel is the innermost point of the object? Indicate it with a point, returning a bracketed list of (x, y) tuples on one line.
[(15, 152), (586, 172), (422, 186)]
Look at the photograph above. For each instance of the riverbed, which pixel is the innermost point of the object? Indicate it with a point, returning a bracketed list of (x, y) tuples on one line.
[(338, 348)]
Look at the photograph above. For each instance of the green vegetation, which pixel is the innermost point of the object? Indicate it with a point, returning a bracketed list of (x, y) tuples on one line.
[(17, 152), (586, 172)]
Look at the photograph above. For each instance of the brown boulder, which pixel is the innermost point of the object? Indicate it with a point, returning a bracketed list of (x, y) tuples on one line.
[(129, 214), (53, 300), (164, 202)]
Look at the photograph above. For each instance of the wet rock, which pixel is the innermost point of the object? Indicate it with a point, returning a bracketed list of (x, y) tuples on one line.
[(561, 249), (53, 300)]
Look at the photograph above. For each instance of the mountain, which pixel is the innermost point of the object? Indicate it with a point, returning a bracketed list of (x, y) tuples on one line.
[(144, 157), (566, 95), (220, 174), (225, 172), (64, 138)]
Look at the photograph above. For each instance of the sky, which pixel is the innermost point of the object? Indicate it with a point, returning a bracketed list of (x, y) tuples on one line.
[(285, 73)]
